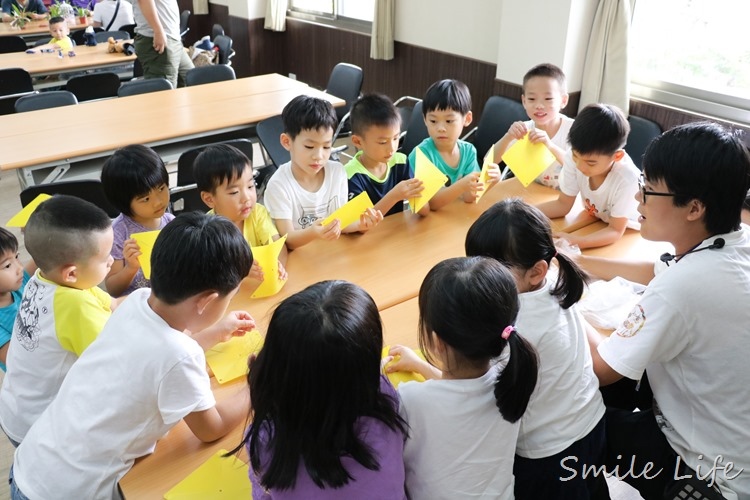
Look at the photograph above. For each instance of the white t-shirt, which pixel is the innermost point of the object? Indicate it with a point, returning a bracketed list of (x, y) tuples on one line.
[(459, 445), (566, 404), (286, 199), (104, 10), (691, 330), (133, 384), (614, 198), (168, 12)]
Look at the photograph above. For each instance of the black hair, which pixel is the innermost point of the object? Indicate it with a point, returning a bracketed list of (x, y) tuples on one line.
[(599, 129), (447, 95), (61, 231), (56, 20), (131, 172), (520, 235), (546, 70), (196, 253), (468, 302), (317, 374), (8, 242), (702, 161), (308, 113), (373, 110), (217, 164)]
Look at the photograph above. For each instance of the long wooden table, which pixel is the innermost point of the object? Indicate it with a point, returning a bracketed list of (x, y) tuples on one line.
[(45, 63), (34, 140), (390, 262)]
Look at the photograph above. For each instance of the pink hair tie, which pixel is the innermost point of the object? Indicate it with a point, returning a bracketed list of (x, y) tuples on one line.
[(507, 331)]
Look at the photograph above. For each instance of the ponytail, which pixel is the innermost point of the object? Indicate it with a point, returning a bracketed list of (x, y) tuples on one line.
[(571, 281), (517, 381)]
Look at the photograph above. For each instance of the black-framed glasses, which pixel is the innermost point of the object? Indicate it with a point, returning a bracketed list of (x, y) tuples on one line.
[(644, 192)]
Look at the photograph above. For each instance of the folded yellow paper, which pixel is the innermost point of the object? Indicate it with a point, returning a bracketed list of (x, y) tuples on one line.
[(483, 176), (22, 217), (350, 212), (527, 160), (432, 178), (397, 378), (267, 257), (228, 360), (146, 242), (217, 478)]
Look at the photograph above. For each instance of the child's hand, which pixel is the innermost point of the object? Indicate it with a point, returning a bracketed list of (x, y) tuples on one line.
[(517, 131), (369, 219), (537, 136), (130, 253), (330, 232), (406, 360), (493, 175), (36, 16), (234, 324), (410, 188), (561, 238), (256, 272), (471, 186), (282, 272)]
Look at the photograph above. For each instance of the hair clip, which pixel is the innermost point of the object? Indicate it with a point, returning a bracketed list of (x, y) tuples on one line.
[(507, 331)]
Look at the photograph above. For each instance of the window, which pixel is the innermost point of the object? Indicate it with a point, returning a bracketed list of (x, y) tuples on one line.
[(693, 54), (352, 14)]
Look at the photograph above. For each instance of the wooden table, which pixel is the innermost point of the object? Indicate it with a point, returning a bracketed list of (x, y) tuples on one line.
[(34, 28), (34, 140), (408, 246), (44, 64)]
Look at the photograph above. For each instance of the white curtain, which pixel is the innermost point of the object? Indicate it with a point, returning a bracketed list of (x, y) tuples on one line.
[(606, 76), (383, 27), (276, 15)]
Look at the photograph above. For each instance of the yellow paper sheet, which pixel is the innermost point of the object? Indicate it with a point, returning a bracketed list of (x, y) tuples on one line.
[(146, 242), (397, 378), (217, 478), (527, 160), (350, 212), (483, 176), (432, 178), (228, 360), (268, 259), (22, 217)]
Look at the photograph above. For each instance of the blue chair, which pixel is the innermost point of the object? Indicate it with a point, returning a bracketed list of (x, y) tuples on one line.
[(45, 100), (642, 132)]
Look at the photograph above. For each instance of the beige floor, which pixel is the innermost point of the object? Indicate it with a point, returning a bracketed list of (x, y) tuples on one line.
[(9, 205)]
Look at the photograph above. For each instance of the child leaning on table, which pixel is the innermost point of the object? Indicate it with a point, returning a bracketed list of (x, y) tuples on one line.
[(544, 94), (378, 168), (447, 110), (146, 371), (600, 170), (136, 183), (59, 30), (325, 422), (226, 182), (62, 310), (310, 187), (13, 279)]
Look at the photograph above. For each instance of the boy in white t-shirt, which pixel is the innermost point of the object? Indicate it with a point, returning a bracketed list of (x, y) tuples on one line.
[(544, 94), (146, 371), (310, 187), (600, 170)]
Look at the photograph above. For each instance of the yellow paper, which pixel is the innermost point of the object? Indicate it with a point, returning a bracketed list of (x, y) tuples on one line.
[(350, 212), (483, 176), (146, 242), (397, 378), (268, 259), (22, 217), (527, 160), (228, 360), (432, 178), (216, 478)]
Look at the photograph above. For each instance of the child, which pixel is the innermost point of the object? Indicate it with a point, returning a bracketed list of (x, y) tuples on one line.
[(602, 172), (146, 371), (13, 278), (59, 30), (447, 110), (136, 183), (62, 310), (565, 416), (310, 187), (325, 422), (463, 426), (378, 168), (226, 182), (544, 94)]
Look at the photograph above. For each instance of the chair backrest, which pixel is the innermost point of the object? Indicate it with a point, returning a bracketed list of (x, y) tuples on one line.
[(88, 189), (103, 36), (184, 19), (14, 84), (77, 35), (216, 30), (497, 116), (13, 43), (209, 74), (225, 48), (642, 132), (94, 86), (416, 130), (345, 82), (129, 28), (135, 87), (268, 132), (45, 100)]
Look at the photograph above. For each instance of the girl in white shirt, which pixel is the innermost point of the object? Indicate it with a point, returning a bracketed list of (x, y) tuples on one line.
[(463, 423), (563, 427)]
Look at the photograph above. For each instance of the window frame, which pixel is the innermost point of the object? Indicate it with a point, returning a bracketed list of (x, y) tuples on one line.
[(333, 19)]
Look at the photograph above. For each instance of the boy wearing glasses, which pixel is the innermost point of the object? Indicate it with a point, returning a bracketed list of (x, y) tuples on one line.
[(600, 170)]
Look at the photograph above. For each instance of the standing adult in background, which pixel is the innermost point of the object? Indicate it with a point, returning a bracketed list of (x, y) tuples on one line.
[(157, 41), (111, 14)]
